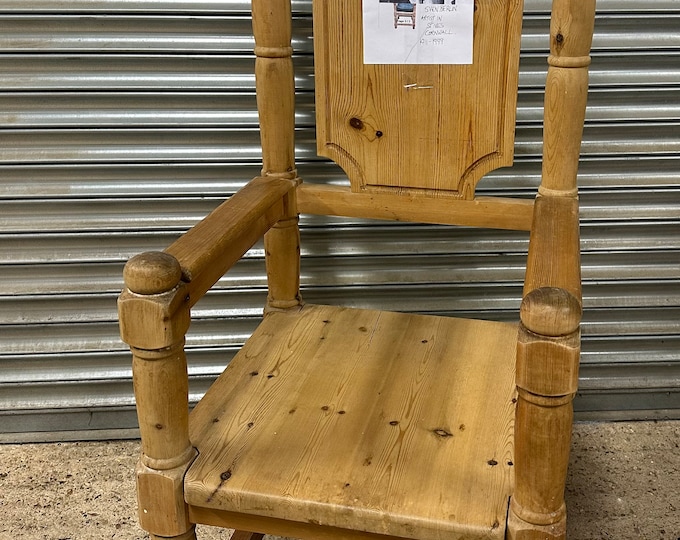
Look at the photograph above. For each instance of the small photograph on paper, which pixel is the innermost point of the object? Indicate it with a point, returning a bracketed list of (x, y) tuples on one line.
[(418, 31)]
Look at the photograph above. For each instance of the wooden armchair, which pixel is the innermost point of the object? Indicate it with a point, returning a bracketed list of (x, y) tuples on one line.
[(339, 422)]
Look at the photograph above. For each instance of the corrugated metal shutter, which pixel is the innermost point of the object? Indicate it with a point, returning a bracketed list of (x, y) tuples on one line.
[(125, 121)]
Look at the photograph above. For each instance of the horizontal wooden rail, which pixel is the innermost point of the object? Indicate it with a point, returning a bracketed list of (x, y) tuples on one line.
[(489, 212), (212, 246)]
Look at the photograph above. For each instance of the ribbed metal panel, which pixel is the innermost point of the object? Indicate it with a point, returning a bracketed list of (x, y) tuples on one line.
[(123, 122)]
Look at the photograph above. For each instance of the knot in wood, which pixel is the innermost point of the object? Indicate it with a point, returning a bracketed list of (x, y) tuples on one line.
[(356, 123)]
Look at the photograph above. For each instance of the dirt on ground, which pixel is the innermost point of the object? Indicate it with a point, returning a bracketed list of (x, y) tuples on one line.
[(624, 483)]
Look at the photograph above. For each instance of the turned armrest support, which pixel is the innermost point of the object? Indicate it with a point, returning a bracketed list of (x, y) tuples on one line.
[(212, 246)]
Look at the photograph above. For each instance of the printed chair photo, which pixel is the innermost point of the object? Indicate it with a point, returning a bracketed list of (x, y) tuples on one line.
[(405, 14), (334, 422)]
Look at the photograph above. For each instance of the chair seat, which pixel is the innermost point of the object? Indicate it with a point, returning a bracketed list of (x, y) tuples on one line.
[(383, 422)]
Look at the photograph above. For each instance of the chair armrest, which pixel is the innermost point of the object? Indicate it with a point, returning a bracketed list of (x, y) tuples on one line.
[(213, 245), (549, 341), (552, 288)]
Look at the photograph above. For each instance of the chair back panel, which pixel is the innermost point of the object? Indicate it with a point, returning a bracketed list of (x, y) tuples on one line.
[(430, 129)]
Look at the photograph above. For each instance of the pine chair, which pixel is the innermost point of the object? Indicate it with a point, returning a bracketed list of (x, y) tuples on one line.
[(334, 422)]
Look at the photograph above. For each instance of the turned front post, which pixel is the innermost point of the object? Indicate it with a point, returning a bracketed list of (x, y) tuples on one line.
[(549, 338), (154, 318), (276, 106), (547, 378)]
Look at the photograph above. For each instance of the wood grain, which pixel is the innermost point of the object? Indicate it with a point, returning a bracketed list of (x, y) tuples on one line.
[(363, 419), (275, 86), (554, 248), (279, 527), (566, 92), (491, 212), (212, 246), (549, 345), (400, 128), (154, 318), (341, 423)]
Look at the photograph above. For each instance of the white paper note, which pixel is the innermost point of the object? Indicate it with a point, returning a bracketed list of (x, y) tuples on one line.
[(418, 32)]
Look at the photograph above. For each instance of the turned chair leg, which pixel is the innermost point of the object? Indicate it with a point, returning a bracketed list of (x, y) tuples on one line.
[(154, 317), (549, 343), (537, 508)]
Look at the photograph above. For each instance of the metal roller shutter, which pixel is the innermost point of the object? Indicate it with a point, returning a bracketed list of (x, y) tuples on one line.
[(123, 122)]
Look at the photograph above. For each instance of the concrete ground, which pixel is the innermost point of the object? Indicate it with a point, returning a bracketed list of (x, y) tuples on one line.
[(624, 483)]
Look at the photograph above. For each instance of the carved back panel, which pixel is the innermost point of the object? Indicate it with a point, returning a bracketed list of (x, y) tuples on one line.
[(431, 129)]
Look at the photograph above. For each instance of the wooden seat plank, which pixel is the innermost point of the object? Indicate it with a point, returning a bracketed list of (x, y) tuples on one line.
[(362, 419)]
